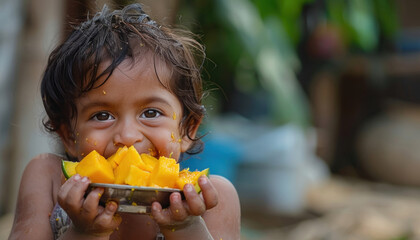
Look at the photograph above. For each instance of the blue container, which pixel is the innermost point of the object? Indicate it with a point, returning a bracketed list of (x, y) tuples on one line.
[(221, 155)]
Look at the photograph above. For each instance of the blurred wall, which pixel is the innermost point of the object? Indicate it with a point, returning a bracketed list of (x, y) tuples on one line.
[(41, 30), (10, 11)]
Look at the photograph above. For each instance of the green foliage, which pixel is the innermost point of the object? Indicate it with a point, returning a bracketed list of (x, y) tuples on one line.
[(362, 22), (402, 238), (252, 44), (287, 12)]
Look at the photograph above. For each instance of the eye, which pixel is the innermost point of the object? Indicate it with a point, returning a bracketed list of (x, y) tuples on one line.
[(102, 116), (150, 113)]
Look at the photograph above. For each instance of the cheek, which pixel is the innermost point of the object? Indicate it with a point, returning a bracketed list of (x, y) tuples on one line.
[(89, 141), (166, 142)]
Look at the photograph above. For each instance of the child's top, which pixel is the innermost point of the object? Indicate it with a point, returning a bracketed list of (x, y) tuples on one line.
[(60, 222)]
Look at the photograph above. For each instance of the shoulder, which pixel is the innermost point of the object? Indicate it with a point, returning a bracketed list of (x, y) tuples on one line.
[(45, 159), (47, 165), (226, 216), (40, 182), (227, 194), (222, 184), (43, 170)]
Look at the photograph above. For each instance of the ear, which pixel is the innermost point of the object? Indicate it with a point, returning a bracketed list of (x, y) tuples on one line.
[(192, 132), (68, 140)]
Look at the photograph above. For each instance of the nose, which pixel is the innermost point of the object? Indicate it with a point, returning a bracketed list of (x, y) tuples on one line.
[(127, 134)]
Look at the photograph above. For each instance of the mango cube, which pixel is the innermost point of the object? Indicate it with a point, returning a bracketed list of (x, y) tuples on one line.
[(96, 168), (166, 173)]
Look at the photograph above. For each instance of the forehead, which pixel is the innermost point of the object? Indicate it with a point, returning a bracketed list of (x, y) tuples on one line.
[(132, 81), (147, 64)]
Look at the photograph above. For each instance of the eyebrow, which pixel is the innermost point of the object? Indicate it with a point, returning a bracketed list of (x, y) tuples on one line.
[(145, 101), (156, 99), (94, 105)]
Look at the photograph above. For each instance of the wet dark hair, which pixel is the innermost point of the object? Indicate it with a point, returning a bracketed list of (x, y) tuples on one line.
[(115, 36)]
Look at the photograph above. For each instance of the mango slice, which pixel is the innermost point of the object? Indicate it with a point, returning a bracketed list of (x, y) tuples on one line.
[(137, 177), (185, 176), (116, 158), (68, 168), (131, 158), (127, 166), (165, 173), (96, 167)]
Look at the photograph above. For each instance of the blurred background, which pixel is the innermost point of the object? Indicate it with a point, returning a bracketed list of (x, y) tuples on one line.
[(313, 108)]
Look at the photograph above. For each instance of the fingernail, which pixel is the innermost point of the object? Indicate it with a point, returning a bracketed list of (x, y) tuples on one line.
[(203, 180), (76, 177), (84, 179), (112, 206), (188, 187), (175, 197)]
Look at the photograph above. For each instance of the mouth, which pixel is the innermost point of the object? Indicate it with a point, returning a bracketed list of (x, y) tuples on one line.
[(153, 152)]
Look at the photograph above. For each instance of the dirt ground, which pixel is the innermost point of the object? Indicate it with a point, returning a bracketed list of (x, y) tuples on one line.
[(344, 209)]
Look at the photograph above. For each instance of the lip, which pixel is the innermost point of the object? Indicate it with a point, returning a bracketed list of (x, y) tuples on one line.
[(133, 199)]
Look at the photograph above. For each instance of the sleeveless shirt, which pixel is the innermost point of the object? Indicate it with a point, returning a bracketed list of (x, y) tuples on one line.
[(60, 222)]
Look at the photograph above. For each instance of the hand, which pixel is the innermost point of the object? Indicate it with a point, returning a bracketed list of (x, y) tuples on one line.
[(88, 217), (178, 214)]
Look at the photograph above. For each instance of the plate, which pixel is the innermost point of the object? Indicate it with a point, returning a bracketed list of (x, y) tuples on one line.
[(132, 199)]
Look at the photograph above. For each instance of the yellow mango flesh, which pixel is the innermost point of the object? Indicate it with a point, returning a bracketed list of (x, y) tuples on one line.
[(185, 176), (149, 161), (127, 166), (131, 158), (137, 177), (165, 173), (96, 168), (117, 157)]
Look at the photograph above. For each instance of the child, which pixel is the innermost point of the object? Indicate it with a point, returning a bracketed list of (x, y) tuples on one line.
[(118, 80)]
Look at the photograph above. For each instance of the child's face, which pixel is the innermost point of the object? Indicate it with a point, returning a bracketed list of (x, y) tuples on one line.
[(131, 108)]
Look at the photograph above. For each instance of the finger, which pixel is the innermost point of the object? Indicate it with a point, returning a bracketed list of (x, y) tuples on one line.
[(67, 185), (108, 219), (177, 209), (208, 192), (161, 216), (72, 191), (195, 202), (76, 194), (90, 204)]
